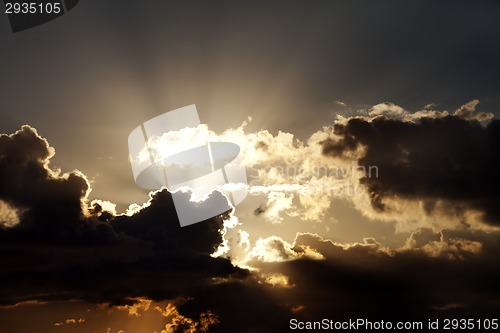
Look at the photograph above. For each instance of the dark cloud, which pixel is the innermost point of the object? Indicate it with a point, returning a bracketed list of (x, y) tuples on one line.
[(62, 250), (47, 199), (366, 281), (452, 159), (243, 306)]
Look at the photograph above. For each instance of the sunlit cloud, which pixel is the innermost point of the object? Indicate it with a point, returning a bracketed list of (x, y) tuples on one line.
[(138, 305), (288, 180), (278, 280), (70, 321), (178, 322), (9, 216), (294, 178)]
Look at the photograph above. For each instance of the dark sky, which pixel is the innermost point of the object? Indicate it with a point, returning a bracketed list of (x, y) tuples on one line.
[(418, 242), (88, 78)]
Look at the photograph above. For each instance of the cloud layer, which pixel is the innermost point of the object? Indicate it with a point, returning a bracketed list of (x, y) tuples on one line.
[(448, 160), (63, 249), (57, 245)]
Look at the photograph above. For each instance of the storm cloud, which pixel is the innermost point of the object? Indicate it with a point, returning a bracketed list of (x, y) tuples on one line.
[(367, 280), (63, 249), (448, 158), (59, 247)]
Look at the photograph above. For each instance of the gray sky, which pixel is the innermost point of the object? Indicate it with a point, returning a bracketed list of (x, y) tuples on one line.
[(85, 80), (88, 78)]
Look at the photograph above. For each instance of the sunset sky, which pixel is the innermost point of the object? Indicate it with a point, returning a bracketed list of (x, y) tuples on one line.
[(371, 140)]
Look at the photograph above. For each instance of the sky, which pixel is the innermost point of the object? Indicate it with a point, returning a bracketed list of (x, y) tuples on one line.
[(370, 135)]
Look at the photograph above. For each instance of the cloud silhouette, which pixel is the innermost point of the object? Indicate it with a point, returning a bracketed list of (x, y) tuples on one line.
[(75, 251), (63, 248), (451, 158)]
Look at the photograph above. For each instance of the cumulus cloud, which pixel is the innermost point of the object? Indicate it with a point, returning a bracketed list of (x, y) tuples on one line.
[(63, 248), (9, 216), (46, 198), (406, 283), (135, 309), (81, 251), (387, 154), (389, 109), (389, 162), (275, 249), (447, 162), (468, 112), (58, 246), (180, 323), (271, 160), (70, 321)]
